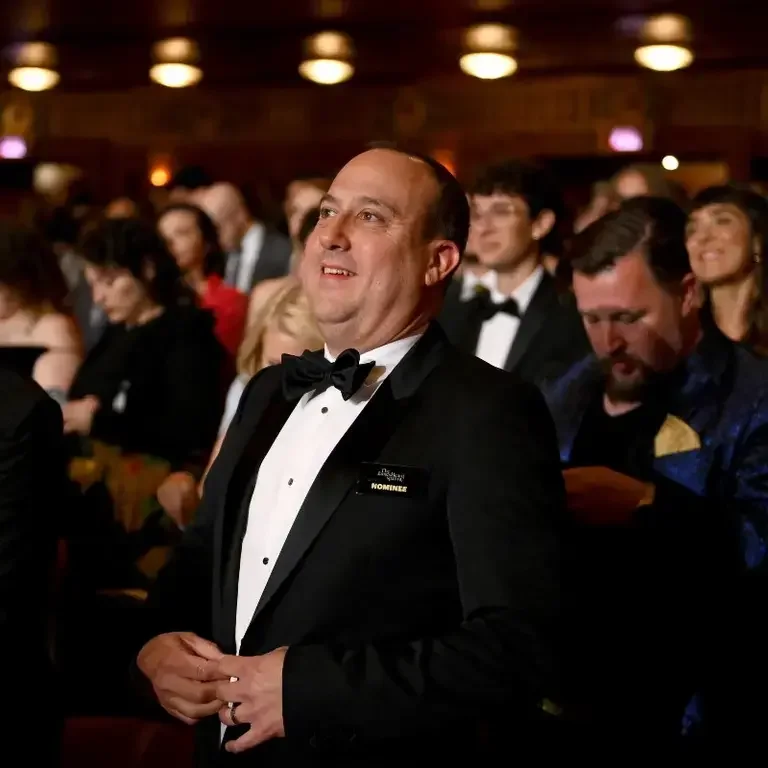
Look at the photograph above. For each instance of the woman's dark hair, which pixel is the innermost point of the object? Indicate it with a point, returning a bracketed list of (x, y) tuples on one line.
[(135, 245), (215, 259), (29, 267), (755, 207)]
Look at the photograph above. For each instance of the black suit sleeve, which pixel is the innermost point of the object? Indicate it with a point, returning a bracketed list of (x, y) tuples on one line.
[(31, 473), (505, 506)]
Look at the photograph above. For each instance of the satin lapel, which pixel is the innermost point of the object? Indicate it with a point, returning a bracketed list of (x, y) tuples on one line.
[(531, 322), (363, 442), (259, 436)]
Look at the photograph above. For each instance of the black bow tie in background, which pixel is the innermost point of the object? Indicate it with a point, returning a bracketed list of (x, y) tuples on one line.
[(313, 371), (486, 308)]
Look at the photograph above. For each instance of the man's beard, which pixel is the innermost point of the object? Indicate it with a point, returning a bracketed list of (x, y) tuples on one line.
[(631, 389)]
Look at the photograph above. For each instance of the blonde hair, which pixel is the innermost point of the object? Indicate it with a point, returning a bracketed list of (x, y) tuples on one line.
[(286, 311)]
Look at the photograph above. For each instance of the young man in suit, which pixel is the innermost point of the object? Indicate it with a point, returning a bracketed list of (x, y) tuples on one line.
[(32, 482), (664, 431), (519, 322), (374, 566)]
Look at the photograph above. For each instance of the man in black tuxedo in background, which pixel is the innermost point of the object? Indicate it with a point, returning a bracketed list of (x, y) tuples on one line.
[(31, 499), (517, 321), (378, 538)]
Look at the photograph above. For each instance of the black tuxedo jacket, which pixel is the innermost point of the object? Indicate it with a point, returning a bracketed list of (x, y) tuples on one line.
[(32, 484), (549, 340), (408, 616)]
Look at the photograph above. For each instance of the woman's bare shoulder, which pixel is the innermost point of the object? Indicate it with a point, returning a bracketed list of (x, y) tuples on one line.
[(56, 331)]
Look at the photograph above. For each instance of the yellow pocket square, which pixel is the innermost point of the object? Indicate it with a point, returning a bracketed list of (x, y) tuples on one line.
[(675, 436)]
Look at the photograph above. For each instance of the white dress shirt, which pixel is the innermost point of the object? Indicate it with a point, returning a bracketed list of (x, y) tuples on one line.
[(289, 469), (246, 260), (498, 334)]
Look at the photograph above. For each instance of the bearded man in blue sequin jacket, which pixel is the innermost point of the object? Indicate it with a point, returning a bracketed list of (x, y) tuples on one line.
[(664, 440)]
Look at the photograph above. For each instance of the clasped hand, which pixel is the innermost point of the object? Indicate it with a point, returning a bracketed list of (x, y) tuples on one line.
[(192, 679), (255, 693)]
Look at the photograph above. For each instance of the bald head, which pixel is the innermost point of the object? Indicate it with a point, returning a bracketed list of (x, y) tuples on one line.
[(225, 204), (389, 236)]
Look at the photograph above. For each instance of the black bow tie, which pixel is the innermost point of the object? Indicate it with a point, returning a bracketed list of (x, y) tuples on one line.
[(313, 371), (487, 309)]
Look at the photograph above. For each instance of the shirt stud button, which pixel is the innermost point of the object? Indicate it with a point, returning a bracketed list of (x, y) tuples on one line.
[(265, 561), (290, 481), (323, 410)]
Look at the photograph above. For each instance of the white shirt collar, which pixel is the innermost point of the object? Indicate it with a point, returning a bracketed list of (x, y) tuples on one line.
[(524, 292), (386, 357)]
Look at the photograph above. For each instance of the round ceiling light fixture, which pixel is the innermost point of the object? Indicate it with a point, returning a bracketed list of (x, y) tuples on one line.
[(327, 58), (176, 63), (488, 51), (35, 68), (665, 43)]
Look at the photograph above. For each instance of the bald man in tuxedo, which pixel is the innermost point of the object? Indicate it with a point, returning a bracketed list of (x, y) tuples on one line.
[(373, 573)]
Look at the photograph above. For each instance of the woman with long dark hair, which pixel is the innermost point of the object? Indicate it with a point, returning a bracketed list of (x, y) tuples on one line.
[(727, 243), (193, 240)]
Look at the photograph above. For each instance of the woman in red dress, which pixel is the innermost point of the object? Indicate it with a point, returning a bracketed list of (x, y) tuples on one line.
[(193, 241)]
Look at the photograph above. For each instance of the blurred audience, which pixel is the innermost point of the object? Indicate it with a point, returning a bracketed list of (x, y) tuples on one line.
[(603, 200), (193, 241), (254, 252), (640, 181), (33, 315), (152, 384), (301, 196), (187, 184), (262, 294), (283, 325), (122, 208)]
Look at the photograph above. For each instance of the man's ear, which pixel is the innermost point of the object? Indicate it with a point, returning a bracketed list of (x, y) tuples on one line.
[(443, 262), (542, 225)]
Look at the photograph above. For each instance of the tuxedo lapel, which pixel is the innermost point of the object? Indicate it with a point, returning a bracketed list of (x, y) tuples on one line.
[(531, 322), (362, 442)]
